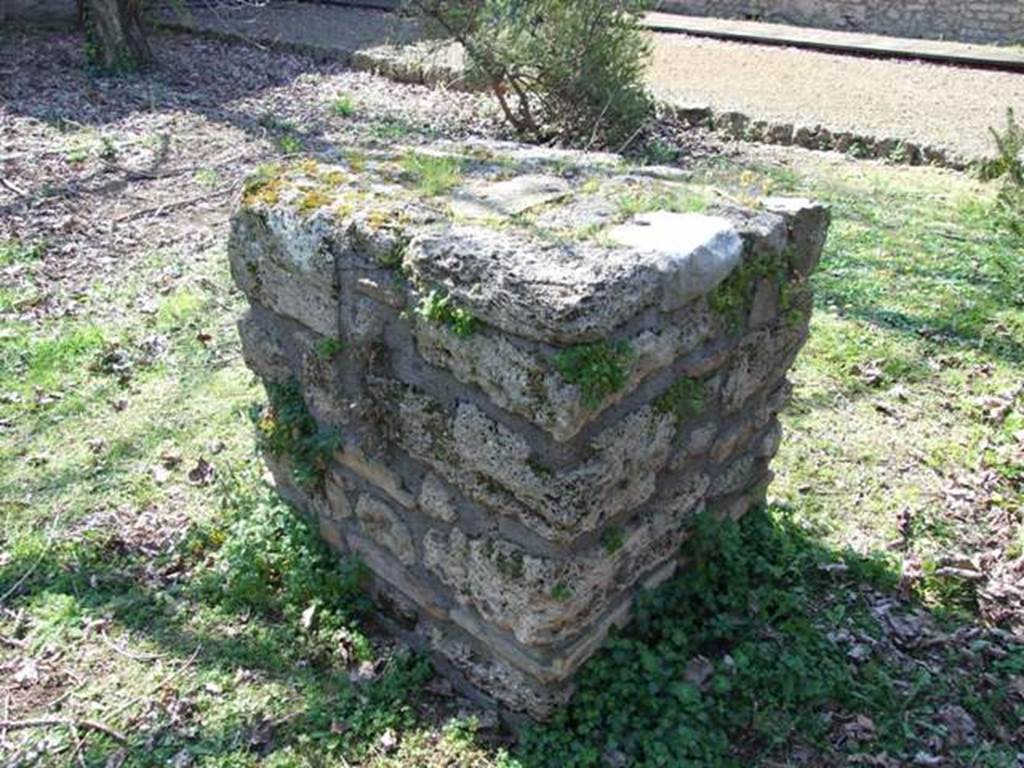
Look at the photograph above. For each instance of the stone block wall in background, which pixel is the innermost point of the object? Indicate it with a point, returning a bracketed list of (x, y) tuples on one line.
[(972, 21), (47, 13), (512, 397)]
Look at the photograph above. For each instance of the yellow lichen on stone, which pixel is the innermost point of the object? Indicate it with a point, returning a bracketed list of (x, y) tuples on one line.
[(334, 178), (312, 200), (262, 190), (377, 218)]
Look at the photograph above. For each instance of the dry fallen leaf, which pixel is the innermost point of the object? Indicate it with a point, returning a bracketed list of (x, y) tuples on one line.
[(202, 473), (27, 674)]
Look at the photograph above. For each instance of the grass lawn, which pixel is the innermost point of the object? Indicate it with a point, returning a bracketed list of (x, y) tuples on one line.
[(151, 583)]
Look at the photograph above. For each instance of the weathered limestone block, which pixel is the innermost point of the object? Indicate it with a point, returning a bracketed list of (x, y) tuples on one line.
[(514, 398)]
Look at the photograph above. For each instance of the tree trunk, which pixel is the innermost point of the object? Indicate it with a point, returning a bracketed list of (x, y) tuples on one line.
[(118, 35)]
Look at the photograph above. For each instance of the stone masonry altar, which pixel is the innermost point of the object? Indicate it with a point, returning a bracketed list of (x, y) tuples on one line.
[(508, 378)]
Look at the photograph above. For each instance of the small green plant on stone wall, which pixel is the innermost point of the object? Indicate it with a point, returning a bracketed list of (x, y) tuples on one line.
[(438, 307), (561, 592), (599, 369), (684, 399), (342, 106), (285, 428), (734, 296), (328, 347), (612, 539)]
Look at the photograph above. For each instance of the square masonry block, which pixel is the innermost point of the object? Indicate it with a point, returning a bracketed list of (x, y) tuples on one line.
[(511, 395)]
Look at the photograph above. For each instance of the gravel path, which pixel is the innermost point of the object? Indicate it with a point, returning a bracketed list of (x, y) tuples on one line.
[(929, 104)]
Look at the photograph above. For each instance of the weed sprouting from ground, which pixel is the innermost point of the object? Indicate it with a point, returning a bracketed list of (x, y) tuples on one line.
[(16, 252)]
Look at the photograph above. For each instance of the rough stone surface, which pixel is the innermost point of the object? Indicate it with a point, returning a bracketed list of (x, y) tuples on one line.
[(528, 412), (511, 197), (694, 252), (975, 21)]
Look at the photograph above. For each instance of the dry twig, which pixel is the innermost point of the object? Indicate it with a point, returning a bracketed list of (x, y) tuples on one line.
[(46, 722)]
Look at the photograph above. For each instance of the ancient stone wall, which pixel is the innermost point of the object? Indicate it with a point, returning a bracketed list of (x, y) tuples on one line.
[(50, 13), (511, 398), (974, 21)]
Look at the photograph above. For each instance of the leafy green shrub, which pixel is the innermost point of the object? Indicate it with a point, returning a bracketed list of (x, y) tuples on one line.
[(571, 69), (1008, 165)]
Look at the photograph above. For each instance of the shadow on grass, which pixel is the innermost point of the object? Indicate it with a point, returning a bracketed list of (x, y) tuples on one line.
[(768, 648)]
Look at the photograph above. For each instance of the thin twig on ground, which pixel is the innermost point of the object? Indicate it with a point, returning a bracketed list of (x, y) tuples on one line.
[(46, 722), (128, 654), (171, 206)]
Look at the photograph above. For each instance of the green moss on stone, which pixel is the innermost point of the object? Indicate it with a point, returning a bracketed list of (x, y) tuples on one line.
[(684, 399), (599, 369)]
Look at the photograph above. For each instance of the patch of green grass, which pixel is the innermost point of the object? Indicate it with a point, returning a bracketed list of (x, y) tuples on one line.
[(599, 369), (343, 106), (178, 308), (674, 199), (41, 360), (432, 175), (14, 251)]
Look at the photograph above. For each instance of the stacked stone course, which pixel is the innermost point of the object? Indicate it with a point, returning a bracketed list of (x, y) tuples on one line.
[(527, 393), (970, 21)]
